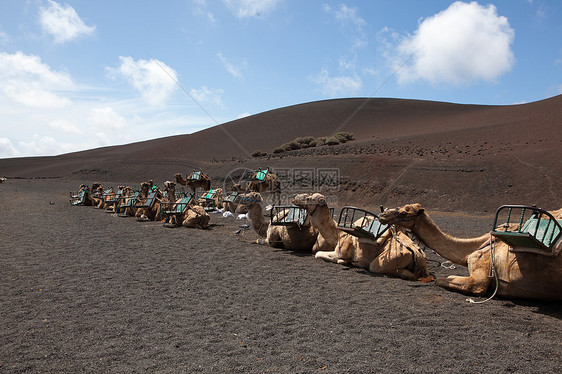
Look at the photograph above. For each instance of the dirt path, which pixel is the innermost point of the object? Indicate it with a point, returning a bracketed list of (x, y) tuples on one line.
[(84, 291)]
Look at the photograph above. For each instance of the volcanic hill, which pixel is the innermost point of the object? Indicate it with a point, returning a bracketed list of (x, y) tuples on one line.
[(446, 156)]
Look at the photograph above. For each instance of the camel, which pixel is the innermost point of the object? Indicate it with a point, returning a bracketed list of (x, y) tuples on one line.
[(196, 217), (97, 196), (232, 204), (517, 274), (393, 253), (126, 194), (286, 237), (270, 183), (194, 181), (82, 197), (109, 200), (212, 199), (148, 207)]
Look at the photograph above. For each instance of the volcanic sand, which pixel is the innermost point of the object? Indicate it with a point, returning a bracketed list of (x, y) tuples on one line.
[(85, 291)]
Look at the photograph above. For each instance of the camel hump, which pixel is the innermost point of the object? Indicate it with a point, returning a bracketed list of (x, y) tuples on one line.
[(528, 229)]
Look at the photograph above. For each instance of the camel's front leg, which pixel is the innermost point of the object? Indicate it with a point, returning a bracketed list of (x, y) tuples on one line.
[(393, 265), (332, 256), (478, 281)]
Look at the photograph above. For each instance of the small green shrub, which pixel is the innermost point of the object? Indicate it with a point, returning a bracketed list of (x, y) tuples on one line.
[(332, 141), (294, 145), (258, 154)]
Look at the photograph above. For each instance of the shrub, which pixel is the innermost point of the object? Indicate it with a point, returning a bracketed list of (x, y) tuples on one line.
[(258, 154), (279, 149), (343, 137), (294, 145), (332, 141), (304, 140)]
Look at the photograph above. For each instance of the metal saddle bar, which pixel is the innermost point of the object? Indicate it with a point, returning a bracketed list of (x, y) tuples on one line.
[(287, 215), (361, 223), (526, 226)]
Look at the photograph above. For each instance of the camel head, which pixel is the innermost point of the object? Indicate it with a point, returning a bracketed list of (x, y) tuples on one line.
[(127, 191), (250, 199), (144, 187), (178, 177), (309, 202), (404, 216), (237, 188), (151, 183), (96, 185)]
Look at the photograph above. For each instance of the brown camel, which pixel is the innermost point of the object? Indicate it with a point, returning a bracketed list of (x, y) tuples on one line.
[(194, 216), (194, 181), (82, 197), (393, 253), (287, 237), (516, 274), (148, 208), (269, 183)]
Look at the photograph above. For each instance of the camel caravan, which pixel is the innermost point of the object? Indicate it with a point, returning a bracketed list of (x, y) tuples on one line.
[(519, 258)]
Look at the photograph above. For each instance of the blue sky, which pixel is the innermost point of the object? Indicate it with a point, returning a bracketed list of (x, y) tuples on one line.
[(78, 75)]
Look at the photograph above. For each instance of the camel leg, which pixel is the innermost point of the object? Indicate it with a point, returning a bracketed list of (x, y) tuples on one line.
[(478, 281), (385, 264), (332, 256)]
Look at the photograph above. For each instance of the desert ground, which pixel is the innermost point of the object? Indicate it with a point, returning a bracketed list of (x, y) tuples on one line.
[(85, 291)]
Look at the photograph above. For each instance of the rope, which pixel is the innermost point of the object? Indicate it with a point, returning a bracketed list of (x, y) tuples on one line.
[(494, 274)]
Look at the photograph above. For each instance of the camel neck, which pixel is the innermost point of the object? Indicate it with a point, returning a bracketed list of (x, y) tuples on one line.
[(453, 249), (321, 218), (255, 214)]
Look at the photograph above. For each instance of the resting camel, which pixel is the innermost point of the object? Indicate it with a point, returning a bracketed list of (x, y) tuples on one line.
[(393, 253), (97, 196), (204, 182), (196, 217), (127, 191), (520, 274), (287, 237), (82, 197), (235, 206), (152, 212), (270, 183)]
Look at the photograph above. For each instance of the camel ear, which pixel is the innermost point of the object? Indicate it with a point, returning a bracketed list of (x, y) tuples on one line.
[(418, 208)]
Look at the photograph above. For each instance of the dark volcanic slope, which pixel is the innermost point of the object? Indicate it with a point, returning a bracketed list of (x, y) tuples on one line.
[(450, 156)]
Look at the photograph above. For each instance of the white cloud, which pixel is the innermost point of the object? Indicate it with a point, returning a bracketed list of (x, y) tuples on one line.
[(251, 8), (201, 9), (64, 126), (45, 145), (7, 149), (4, 38), (235, 71), (348, 16), (106, 118), (207, 95), (63, 23), (153, 79), (26, 80), (337, 86), (462, 44)]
